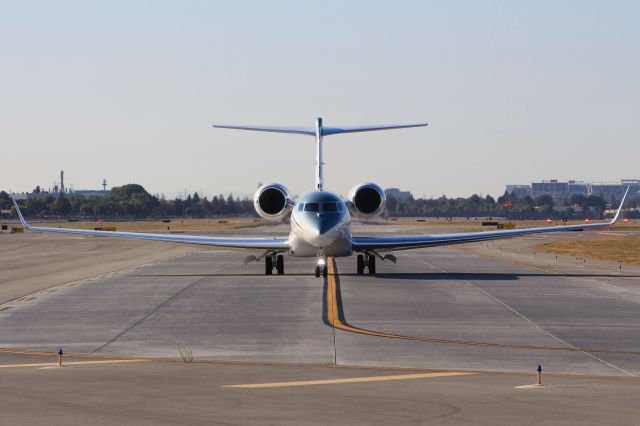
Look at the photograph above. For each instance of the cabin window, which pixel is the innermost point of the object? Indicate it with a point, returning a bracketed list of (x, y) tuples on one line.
[(312, 207)]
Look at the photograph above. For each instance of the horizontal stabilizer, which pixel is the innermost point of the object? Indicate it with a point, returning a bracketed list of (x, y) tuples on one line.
[(354, 129), (276, 129), (311, 131)]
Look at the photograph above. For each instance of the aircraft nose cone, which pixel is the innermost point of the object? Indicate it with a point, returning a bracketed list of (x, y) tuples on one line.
[(325, 227), (313, 226), (320, 229), (314, 232), (327, 223)]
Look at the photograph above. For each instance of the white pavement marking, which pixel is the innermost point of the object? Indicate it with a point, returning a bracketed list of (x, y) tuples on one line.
[(352, 380)]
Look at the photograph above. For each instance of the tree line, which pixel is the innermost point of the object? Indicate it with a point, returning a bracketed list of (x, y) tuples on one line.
[(507, 205), (134, 202), (130, 201)]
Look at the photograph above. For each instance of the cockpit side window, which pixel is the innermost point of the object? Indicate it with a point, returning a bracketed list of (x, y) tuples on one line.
[(312, 207), (301, 207), (329, 207)]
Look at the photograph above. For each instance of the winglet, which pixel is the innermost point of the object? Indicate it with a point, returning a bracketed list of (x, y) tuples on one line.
[(24, 222), (615, 218)]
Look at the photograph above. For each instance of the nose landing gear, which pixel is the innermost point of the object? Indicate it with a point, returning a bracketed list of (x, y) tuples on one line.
[(321, 270), (367, 260), (321, 267)]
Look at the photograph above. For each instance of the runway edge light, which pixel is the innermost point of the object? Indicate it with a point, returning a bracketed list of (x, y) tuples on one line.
[(539, 375)]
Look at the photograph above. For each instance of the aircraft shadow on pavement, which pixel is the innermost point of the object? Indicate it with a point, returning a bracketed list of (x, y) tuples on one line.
[(482, 276), (218, 275)]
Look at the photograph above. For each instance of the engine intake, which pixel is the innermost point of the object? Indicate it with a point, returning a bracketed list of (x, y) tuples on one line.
[(367, 200), (272, 201)]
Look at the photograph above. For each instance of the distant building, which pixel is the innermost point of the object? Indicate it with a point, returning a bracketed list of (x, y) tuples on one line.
[(40, 194), (519, 191), (553, 187), (87, 193), (562, 190), (611, 192), (43, 195), (397, 194), (577, 187), (19, 196)]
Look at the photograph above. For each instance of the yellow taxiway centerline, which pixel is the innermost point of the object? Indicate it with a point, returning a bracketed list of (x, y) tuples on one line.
[(55, 364), (352, 380)]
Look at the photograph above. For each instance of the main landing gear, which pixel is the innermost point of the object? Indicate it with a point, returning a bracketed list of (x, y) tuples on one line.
[(367, 260), (272, 261)]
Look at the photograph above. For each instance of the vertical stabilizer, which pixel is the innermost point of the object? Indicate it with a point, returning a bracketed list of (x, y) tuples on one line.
[(319, 163)]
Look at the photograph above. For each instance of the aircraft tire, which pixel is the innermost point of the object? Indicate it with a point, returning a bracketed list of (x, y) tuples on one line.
[(372, 265), (360, 265), (268, 265), (280, 264)]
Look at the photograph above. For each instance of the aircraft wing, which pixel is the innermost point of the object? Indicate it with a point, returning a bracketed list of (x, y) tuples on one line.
[(278, 244), (408, 242)]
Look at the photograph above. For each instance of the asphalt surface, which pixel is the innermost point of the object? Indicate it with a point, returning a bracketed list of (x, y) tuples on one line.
[(474, 309), (174, 393)]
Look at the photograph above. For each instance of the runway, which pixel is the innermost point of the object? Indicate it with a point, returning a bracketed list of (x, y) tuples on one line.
[(435, 309)]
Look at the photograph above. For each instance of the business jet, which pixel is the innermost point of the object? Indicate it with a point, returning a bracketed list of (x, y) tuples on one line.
[(321, 220)]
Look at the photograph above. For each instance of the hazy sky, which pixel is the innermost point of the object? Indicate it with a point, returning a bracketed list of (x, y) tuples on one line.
[(514, 91)]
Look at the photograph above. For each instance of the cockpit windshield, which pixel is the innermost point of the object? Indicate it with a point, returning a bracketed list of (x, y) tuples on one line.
[(325, 207), (329, 207), (312, 207)]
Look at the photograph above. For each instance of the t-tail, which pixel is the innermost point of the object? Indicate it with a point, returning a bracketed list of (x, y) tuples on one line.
[(319, 131)]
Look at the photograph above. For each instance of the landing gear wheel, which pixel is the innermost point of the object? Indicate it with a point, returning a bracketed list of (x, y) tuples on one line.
[(372, 265), (280, 264), (268, 265), (317, 272), (325, 271), (360, 265)]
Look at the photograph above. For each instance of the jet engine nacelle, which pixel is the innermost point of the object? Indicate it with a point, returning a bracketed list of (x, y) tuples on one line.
[(272, 201), (366, 200)]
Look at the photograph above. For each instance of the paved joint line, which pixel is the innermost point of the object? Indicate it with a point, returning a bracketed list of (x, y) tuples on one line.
[(94, 277), (153, 311), (516, 312), (55, 364), (306, 365)]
